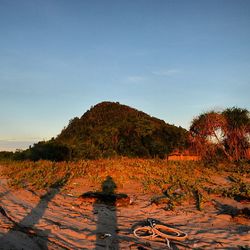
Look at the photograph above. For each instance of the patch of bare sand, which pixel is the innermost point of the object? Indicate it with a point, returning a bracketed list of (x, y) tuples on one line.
[(54, 219)]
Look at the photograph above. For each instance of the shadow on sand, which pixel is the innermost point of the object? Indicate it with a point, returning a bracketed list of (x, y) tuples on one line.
[(24, 231), (105, 210), (105, 203)]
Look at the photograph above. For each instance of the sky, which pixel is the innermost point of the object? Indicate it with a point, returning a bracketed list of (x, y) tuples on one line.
[(172, 59)]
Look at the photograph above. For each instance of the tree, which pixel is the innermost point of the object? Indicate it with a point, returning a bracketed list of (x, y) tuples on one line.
[(50, 150), (237, 132), (226, 131), (207, 132)]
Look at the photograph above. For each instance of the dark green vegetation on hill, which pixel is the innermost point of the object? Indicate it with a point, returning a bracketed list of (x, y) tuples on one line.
[(111, 129), (107, 130)]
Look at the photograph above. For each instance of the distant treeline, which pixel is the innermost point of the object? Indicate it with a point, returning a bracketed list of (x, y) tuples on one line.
[(49, 150)]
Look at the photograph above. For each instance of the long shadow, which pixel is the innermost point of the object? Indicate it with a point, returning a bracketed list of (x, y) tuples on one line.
[(25, 231), (105, 210)]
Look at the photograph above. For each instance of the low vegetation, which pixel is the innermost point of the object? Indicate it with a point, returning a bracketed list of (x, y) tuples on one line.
[(171, 182)]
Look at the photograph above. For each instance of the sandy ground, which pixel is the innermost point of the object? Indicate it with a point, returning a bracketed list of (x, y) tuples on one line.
[(56, 219)]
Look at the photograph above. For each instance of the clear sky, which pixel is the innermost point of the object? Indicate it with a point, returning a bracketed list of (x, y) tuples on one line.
[(172, 59)]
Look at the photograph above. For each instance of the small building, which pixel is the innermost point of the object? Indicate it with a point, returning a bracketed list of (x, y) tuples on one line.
[(183, 156)]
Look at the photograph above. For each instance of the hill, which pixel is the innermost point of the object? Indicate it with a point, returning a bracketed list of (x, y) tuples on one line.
[(110, 129), (107, 130)]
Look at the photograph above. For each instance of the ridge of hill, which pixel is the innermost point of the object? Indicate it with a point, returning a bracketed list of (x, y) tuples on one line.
[(111, 129)]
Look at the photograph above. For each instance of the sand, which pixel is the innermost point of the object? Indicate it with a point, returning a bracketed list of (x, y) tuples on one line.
[(57, 219)]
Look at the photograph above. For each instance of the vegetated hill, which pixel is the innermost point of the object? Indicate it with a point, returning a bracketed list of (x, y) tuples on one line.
[(110, 129)]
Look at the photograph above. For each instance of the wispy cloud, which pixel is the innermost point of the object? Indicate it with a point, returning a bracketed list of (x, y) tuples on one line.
[(165, 72), (136, 78), (149, 75)]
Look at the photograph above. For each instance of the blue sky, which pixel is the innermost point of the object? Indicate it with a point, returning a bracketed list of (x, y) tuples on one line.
[(170, 59)]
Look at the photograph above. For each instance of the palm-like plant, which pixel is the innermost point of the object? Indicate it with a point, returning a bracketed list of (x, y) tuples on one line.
[(207, 133), (228, 131), (237, 132)]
